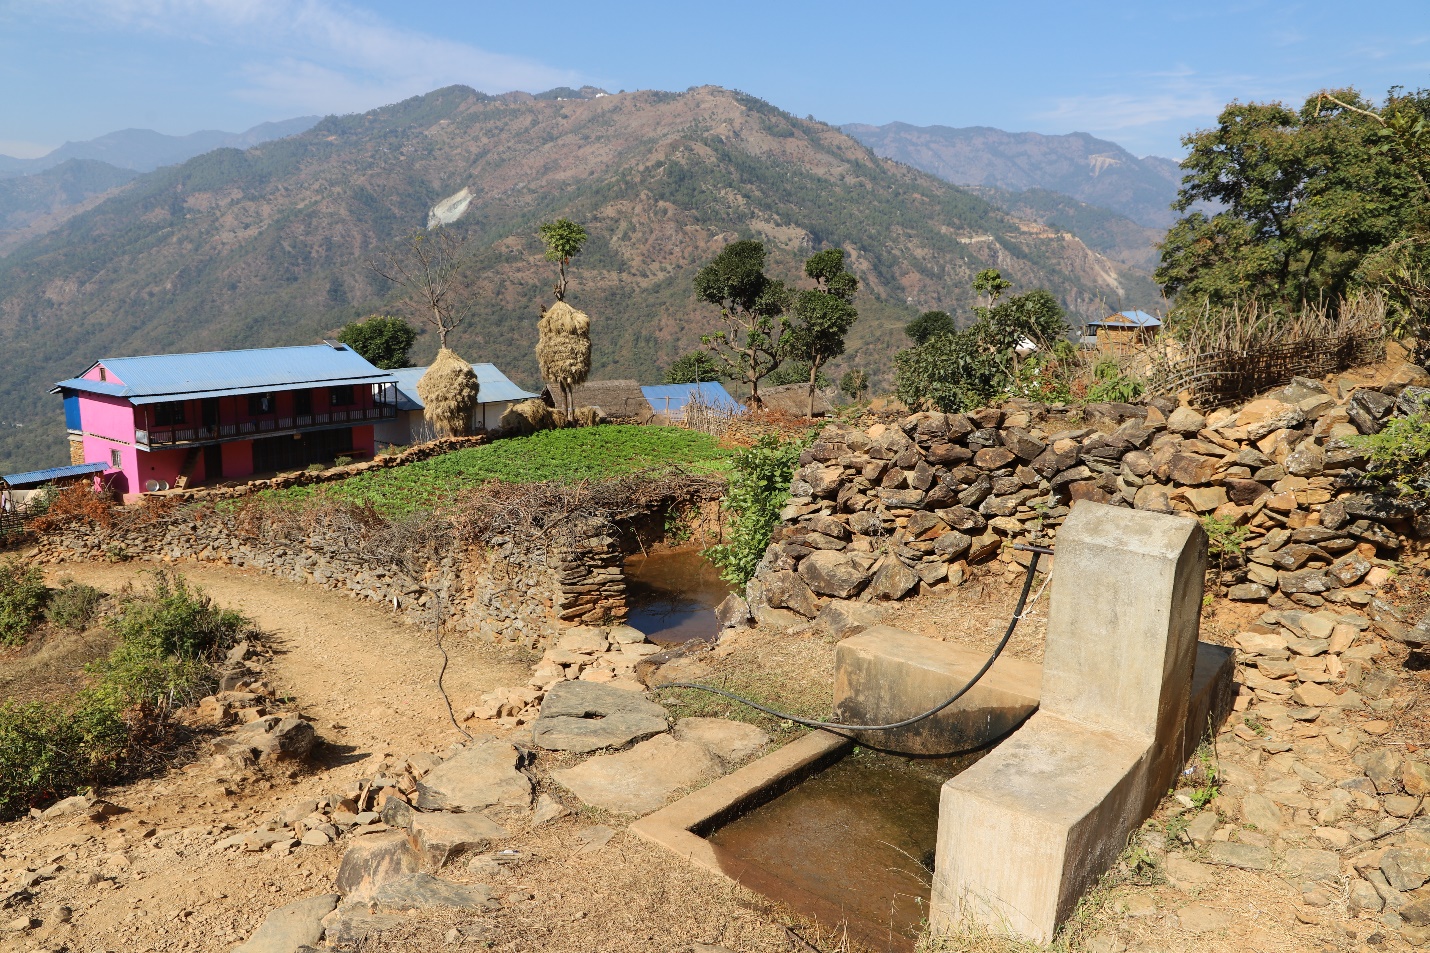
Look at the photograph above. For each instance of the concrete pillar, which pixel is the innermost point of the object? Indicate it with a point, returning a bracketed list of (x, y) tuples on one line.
[(1023, 833)]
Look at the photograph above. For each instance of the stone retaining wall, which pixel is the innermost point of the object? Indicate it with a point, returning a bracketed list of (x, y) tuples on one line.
[(883, 512)]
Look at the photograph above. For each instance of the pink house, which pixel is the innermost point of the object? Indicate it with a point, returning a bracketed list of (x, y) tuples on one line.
[(173, 419)]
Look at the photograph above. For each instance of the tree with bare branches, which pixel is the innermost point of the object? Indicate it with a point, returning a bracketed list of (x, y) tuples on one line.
[(426, 266)]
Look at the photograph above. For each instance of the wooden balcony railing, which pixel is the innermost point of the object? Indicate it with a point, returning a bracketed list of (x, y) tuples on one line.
[(268, 426)]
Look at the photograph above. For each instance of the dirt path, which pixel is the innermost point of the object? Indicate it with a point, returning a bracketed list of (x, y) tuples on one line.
[(365, 677), (151, 879)]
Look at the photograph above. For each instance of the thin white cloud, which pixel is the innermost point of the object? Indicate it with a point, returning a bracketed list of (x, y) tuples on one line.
[(319, 55)]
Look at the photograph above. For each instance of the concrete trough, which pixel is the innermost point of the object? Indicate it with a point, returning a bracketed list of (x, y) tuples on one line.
[(1077, 752)]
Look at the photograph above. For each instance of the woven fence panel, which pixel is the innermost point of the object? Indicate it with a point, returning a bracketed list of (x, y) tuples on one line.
[(1219, 378)]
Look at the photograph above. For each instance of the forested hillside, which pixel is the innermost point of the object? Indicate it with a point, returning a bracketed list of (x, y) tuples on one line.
[(271, 245)]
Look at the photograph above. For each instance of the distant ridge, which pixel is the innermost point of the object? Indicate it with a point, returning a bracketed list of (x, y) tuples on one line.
[(1091, 170), (144, 150)]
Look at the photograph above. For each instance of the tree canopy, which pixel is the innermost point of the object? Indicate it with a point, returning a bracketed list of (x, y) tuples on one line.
[(382, 339), (823, 314), (953, 370), (928, 324), (697, 367), (1287, 206), (755, 335), (563, 239)]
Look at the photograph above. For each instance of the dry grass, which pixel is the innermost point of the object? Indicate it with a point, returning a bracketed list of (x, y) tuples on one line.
[(449, 392)]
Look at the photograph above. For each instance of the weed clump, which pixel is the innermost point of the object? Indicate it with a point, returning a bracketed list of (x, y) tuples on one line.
[(22, 600), (168, 635), (73, 605), (759, 487)]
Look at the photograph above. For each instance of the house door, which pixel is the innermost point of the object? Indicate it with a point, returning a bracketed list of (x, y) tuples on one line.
[(213, 462)]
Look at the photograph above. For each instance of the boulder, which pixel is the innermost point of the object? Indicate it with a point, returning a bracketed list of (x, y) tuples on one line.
[(833, 574), (894, 580), (841, 618), (733, 612), (372, 861), (443, 837), (785, 590)]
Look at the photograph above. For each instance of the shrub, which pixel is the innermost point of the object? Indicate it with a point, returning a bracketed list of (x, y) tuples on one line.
[(22, 600), (167, 636), (316, 467), (342, 461), (1111, 384), (1400, 454), (758, 489), (73, 605)]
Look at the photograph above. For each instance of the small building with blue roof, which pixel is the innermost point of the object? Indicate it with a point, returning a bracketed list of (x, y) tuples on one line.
[(1122, 332)]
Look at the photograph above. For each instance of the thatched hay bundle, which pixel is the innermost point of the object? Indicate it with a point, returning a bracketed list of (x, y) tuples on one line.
[(449, 394), (563, 350), (527, 418), (588, 416)]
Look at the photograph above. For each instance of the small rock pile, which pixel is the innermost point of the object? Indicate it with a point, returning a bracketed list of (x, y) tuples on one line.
[(607, 655), (884, 512)]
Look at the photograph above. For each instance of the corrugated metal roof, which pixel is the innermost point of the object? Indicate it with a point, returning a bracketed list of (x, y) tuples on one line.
[(492, 386), (670, 399), (240, 391), (53, 473), (234, 372), (1136, 319)]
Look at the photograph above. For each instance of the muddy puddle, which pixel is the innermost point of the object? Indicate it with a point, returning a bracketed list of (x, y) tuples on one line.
[(854, 844), (672, 595)]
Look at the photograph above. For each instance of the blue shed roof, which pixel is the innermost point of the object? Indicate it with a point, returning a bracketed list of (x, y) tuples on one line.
[(1136, 319), (492, 386), (160, 377), (670, 399), (31, 477)]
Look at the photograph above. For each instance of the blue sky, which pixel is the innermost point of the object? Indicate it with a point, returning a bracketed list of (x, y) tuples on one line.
[(1141, 74)]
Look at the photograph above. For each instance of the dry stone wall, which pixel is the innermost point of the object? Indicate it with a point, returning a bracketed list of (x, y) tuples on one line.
[(883, 512)]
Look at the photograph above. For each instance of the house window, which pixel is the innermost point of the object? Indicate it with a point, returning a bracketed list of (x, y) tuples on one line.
[(340, 396), (169, 413), (302, 402), (260, 404), (116, 459), (103, 374)]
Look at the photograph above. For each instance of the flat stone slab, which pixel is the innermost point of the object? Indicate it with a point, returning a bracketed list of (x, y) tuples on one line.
[(442, 837), (479, 777), (1245, 856), (730, 741), (289, 927), (372, 861), (351, 923), (642, 779), (588, 716), (421, 891)]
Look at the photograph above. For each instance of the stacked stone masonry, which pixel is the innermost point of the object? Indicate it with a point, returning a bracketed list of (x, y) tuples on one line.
[(883, 512)]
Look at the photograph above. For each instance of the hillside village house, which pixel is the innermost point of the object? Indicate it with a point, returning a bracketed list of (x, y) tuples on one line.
[(1123, 332), (169, 419), (495, 393)]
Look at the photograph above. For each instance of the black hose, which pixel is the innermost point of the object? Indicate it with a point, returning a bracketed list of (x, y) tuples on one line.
[(836, 726)]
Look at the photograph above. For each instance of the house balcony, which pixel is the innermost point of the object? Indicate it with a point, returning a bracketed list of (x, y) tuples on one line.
[(184, 436)]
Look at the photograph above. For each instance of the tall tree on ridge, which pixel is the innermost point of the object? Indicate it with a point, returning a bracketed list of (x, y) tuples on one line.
[(563, 348), (824, 314), (755, 337)]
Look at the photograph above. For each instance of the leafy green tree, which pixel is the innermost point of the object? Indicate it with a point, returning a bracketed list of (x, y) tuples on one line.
[(1304, 197), (382, 339), (697, 367), (563, 239), (961, 370), (754, 339), (823, 314), (991, 283), (854, 384), (930, 323)]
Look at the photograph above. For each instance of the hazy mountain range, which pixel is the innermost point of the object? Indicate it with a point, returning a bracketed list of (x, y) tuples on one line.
[(271, 245)]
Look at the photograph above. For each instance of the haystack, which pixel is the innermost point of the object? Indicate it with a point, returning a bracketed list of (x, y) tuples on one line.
[(527, 418), (449, 394), (588, 416), (563, 351)]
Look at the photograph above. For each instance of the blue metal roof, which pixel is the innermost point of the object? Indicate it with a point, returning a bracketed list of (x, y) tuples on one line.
[(213, 373), (1136, 319), (492, 386), (53, 473), (670, 399)]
